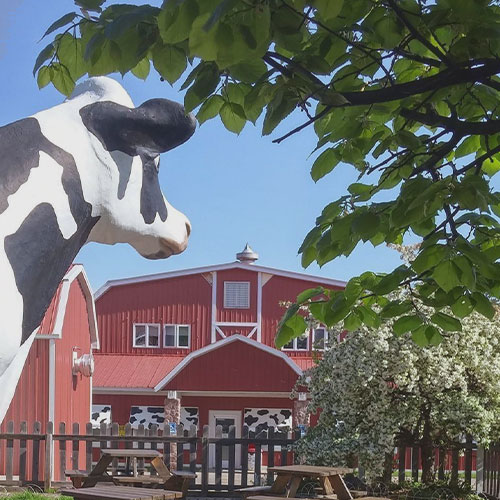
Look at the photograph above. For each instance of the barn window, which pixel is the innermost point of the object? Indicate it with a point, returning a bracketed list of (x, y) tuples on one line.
[(146, 335), (236, 294), (298, 344), (320, 338), (176, 336)]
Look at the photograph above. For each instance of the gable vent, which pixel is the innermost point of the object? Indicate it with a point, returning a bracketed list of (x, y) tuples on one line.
[(236, 294)]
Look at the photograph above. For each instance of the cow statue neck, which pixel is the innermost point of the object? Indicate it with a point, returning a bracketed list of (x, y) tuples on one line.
[(85, 170)]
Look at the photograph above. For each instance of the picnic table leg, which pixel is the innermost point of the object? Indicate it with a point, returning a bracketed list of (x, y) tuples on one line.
[(294, 486), (279, 485), (339, 487), (98, 472)]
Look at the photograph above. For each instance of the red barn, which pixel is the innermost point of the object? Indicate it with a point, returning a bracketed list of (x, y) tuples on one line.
[(197, 346), (55, 383)]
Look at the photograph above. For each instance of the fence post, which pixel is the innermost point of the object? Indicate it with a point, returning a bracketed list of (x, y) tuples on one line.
[(244, 458), (9, 453), (218, 458), (75, 447), (468, 459), (88, 447), (49, 454), (231, 458), (204, 460), (192, 452), (479, 469), (180, 448), (37, 429), (270, 455), (402, 464), (22, 453), (415, 455), (62, 451), (454, 467)]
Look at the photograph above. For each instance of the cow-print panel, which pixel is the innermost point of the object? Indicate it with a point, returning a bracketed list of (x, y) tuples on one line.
[(101, 414), (149, 415), (189, 417), (40, 257), (258, 419)]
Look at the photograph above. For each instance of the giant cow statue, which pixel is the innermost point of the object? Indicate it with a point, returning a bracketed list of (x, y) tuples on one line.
[(85, 170)]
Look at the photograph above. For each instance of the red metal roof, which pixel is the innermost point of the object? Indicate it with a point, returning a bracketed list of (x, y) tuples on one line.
[(140, 371)]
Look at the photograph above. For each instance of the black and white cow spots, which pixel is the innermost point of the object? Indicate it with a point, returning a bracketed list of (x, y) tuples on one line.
[(101, 414), (189, 417), (258, 419), (149, 415)]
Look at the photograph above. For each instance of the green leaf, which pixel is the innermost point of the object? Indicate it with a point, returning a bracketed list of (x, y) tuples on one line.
[(43, 77), (426, 335), (142, 69), (233, 117), (291, 325), (45, 54), (202, 43), (279, 108), (462, 307), (324, 164), (406, 324), (62, 21), (352, 321), (446, 322), (447, 275), (309, 294), (468, 146), (70, 54), (175, 25), (210, 108), (169, 61), (395, 308), (369, 316), (329, 9), (483, 305), (430, 257), (248, 71), (92, 5), (62, 79), (491, 166)]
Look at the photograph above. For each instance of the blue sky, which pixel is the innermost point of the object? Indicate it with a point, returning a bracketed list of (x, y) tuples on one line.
[(234, 189)]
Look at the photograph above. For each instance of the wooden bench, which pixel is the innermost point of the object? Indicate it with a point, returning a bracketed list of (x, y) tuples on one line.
[(119, 493), (253, 490)]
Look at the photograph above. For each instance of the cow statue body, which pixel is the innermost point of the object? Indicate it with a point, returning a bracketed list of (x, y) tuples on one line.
[(85, 170)]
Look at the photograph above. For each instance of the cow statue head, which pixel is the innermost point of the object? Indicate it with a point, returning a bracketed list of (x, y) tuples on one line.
[(85, 170)]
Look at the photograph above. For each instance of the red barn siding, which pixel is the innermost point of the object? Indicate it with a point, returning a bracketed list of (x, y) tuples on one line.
[(237, 315), (183, 300), (236, 366)]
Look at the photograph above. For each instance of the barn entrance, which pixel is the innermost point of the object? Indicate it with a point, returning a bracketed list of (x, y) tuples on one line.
[(224, 418)]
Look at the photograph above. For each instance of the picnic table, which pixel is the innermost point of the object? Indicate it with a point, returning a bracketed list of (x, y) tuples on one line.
[(170, 480), (289, 478), (110, 492)]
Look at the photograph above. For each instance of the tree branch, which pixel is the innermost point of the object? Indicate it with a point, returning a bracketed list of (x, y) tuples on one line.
[(440, 55), (489, 127)]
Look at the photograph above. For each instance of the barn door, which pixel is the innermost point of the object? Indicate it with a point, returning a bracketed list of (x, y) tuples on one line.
[(225, 418)]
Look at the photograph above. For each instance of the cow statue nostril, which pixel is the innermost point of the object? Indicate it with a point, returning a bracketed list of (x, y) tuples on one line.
[(188, 229)]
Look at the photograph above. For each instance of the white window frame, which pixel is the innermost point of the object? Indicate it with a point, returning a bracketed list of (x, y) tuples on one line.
[(176, 346), (325, 340), (237, 283), (294, 343), (147, 346)]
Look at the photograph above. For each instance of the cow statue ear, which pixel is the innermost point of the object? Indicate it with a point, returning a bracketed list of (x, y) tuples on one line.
[(156, 126)]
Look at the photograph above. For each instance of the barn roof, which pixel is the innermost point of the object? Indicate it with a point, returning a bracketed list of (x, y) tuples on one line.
[(52, 322), (218, 267), (119, 371), (151, 373)]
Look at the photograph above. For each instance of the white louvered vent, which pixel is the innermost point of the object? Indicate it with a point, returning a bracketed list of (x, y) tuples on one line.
[(236, 294)]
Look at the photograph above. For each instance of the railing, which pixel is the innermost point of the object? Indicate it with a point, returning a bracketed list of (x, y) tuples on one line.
[(221, 463)]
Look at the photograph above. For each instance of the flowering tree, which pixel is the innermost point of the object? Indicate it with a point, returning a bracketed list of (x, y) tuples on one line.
[(375, 388)]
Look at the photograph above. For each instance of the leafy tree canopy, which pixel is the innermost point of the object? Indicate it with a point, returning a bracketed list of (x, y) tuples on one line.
[(375, 389), (405, 91)]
